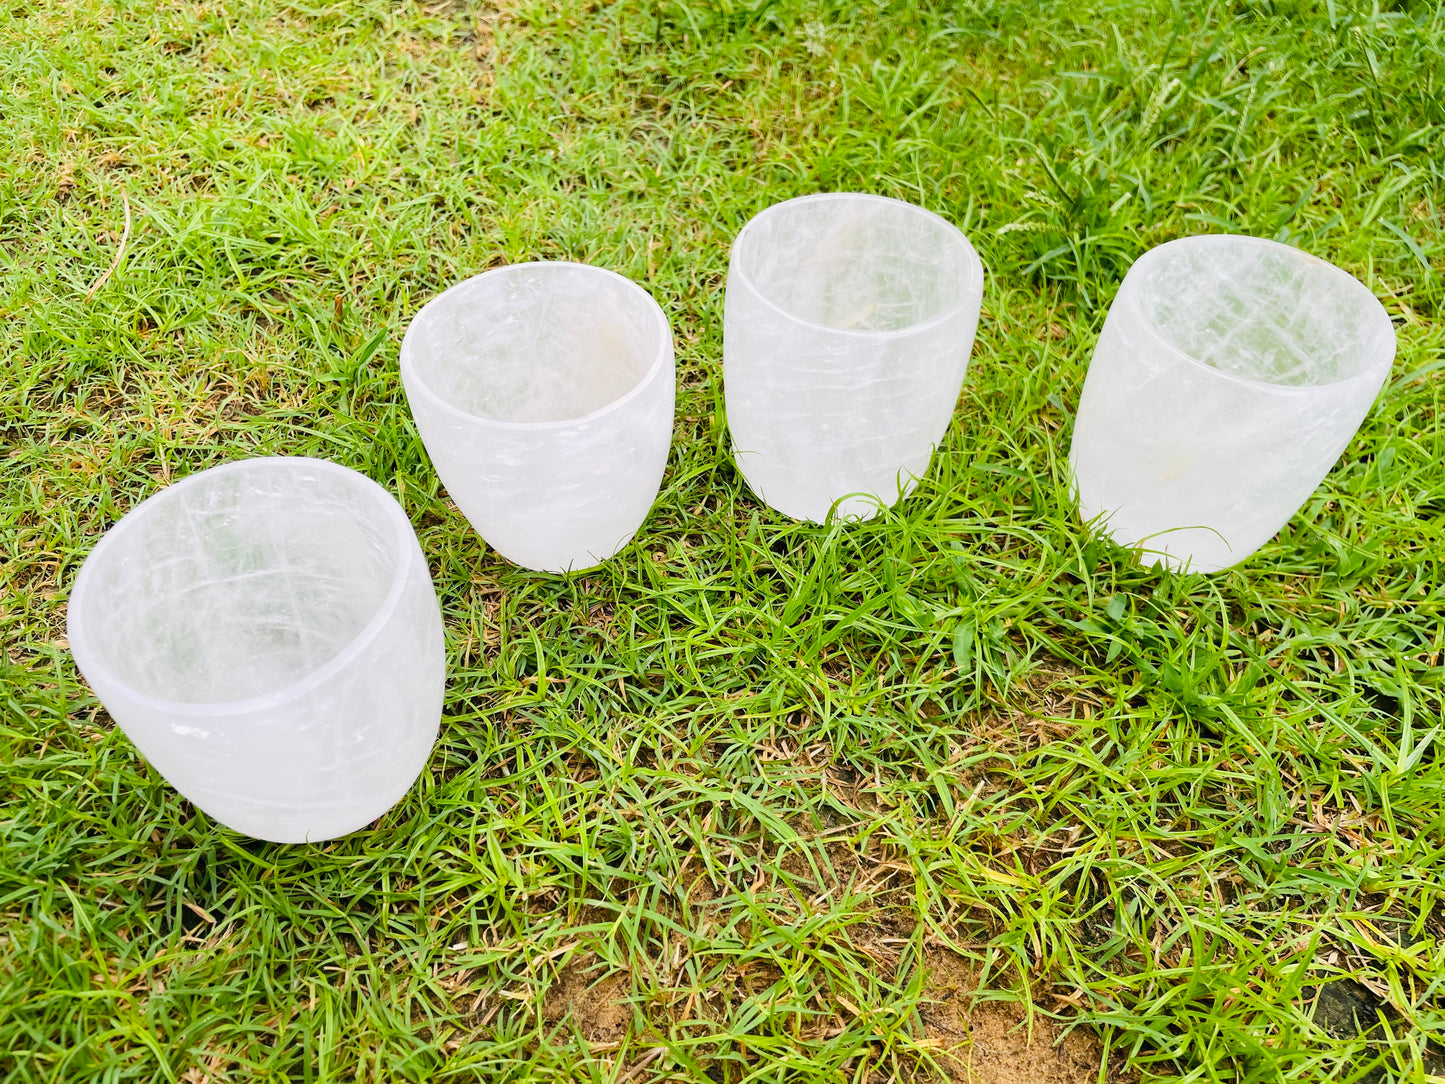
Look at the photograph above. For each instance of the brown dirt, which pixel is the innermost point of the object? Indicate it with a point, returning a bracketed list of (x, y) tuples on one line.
[(975, 1042), (989, 1042), (598, 1005)]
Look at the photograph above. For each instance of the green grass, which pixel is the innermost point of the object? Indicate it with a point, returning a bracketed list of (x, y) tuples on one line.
[(759, 781)]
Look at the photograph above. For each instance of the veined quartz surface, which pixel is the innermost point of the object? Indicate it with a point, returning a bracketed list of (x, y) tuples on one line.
[(267, 634), (847, 328), (544, 395), (1230, 374)]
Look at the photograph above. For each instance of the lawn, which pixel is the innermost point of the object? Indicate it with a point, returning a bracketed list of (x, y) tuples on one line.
[(959, 793)]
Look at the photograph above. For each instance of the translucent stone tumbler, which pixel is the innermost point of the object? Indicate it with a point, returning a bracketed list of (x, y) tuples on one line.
[(267, 634), (1230, 374), (847, 326), (544, 395)]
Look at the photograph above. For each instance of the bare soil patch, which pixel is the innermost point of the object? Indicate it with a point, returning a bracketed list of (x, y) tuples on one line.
[(991, 1042), (597, 1003)]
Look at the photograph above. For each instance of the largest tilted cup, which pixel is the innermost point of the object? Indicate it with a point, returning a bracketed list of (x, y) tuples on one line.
[(544, 395), (267, 634), (847, 329), (1230, 374)]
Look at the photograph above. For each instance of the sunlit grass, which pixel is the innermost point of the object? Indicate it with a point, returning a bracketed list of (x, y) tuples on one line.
[(758, 785)]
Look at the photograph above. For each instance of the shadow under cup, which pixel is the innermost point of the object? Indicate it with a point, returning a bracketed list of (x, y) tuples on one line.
[(267, 634), (1230, 374), (544, 395)]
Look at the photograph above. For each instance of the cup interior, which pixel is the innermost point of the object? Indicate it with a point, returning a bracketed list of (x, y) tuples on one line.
[(858, 262), (1262, 311), (540, 342), (239, 581)]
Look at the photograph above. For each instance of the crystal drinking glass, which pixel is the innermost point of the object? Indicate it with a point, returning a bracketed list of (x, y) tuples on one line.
[(267, 635), (847, 328), (544, 395), (1230, 374)]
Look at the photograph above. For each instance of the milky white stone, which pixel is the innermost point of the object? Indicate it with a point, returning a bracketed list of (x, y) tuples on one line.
[(267, 634), (847, 328), (1230, 374), (544, 395)]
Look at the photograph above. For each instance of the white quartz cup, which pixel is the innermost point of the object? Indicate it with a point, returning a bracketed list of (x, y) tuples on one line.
[(847, 327), (267, 635), (1230, 374), (544, 394)]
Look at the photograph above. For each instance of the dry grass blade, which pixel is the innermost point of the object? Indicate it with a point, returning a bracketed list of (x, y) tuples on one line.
[(119, 250)]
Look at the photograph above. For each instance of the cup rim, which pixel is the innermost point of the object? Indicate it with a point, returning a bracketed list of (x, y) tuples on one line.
[(1373, 307), (412, 378), (78, 633), (970, 254)]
